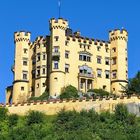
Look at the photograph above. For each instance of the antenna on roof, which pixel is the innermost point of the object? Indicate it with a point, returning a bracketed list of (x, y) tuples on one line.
[(59, 8)]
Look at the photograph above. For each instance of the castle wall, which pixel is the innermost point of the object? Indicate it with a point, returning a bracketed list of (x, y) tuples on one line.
[(53, 107)]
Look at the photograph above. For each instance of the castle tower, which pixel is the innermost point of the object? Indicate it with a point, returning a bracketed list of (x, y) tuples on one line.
[(57, 55), (119, 66), (21, 67)]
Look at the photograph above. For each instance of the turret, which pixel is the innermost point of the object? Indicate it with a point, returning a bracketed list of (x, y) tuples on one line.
[(21, 66), (119, 68), (57, 55)]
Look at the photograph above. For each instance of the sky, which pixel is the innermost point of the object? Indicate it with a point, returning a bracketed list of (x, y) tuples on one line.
[(94, 18)]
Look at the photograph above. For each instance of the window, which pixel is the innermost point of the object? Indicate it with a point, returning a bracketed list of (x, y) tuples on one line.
[(80, 57), (85, 57), (34, 49), (56, 49), (38, 72), (113, 49), (104, 87), (56, 65), (44, 71), (67, 68), (107, 50), (44, 56), (98, 48), (114, 60), (56, 38), (107, 60), (43, 84), (114, 74), (38, 57), (99, 59), (34, 61), (25, 62), (33, 73), (88, 59), (66, 43), (25, 75), (107, 73), (22, 88), (84, 46), (99, 73), (66, 54), (25, 51)]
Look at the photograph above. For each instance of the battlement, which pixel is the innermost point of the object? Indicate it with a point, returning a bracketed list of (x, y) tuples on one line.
[(22, 36), (87, 40), (118, 34), (52, 107), (40, 39), (58, 23)]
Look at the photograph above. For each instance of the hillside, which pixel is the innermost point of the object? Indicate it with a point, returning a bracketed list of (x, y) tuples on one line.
[(71, 125)]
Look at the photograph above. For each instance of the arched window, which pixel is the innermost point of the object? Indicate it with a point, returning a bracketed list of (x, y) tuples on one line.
[(85, 69)]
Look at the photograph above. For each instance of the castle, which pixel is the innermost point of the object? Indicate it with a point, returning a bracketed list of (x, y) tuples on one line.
[(66, 58)]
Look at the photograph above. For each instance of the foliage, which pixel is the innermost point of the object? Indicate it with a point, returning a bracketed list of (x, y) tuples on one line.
[(44, 96), (34, 117), (3, 113), (121, 112), (69, 92), (68, 125), (133, 86), (13, 119), (99, 92)]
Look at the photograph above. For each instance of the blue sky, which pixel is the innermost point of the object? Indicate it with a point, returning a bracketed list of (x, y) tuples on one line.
[(94, 18)]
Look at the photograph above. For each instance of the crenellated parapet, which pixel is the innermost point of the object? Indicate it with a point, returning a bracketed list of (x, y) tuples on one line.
[(118, 35), (52, 107), (22, 36), (86, 40), (58, 24)]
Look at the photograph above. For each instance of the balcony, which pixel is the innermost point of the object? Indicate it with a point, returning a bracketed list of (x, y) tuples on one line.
[(55, 55), (86, 75)]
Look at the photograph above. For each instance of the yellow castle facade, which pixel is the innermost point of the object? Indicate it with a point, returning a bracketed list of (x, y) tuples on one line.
[(65, 58)]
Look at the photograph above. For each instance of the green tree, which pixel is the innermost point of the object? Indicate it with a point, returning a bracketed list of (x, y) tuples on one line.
[(133, 86), (69, 92), (3, 113), (13, 120), (121, 112), (44, 96), (99, 92), (35, 117)]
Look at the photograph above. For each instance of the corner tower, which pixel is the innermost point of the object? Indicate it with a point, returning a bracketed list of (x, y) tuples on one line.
[(119, 66), (21, 66), (57, 55)]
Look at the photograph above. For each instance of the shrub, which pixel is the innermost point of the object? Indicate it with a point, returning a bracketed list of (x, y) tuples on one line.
[(99, 92), (44, 96), (35, 117), (69, 92), (3, 113), (13, 119), (121, 112)]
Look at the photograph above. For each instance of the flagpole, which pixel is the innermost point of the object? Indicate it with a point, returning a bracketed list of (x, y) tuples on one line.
[(59, 6)]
